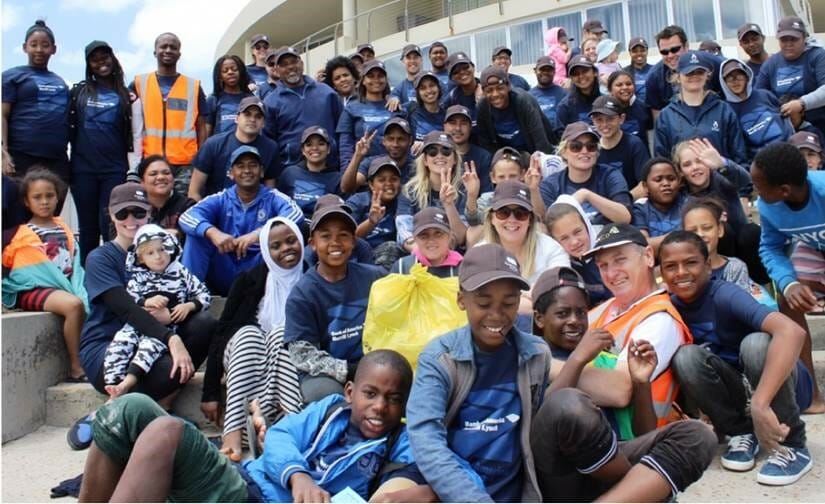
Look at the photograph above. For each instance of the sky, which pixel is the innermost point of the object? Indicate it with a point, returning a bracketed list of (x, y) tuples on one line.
[(129, 26)]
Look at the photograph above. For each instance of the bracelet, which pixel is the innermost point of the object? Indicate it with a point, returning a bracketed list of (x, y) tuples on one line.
[(785, 290)]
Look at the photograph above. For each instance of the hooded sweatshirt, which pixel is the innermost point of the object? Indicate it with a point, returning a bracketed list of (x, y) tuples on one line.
[(559, 55), (758, 114)]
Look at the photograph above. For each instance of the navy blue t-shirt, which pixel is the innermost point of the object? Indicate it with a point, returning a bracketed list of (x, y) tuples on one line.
[(424, 121), (549, 98), (574, 107), (223, 110), (213, 159), (508, 129), (482, 159), (385, 230), (404, 91), (305, 186), (39, 120), (640, 79), (487, 430), (456, 96), (357, 118), (517, 81), (604, 181), (654, 221), (331, 315), (100, 143), (257, 75), (628, 156), (638, 121)]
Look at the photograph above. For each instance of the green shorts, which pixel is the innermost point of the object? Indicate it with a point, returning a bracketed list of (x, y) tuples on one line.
[(201, 472)]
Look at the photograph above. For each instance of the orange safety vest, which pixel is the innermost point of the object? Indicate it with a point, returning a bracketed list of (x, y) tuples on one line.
[(665, 387), (169, 125)]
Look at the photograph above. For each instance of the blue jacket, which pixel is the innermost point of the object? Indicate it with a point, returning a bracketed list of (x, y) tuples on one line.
[(759, 116), (297, 439), (574, 107), (404, 91), (445, 375), (290, 111), (714, 120)]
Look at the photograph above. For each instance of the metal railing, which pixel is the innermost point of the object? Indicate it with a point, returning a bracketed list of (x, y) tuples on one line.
[(392, 17)]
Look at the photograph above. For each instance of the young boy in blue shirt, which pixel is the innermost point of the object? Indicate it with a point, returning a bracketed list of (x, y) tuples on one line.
[(375, 209), (735, 336), (328, 305), (312, 177), (477, 388)]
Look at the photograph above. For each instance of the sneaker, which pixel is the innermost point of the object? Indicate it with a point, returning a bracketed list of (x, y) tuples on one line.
[(785, 467), (79, 436), (741, 453)]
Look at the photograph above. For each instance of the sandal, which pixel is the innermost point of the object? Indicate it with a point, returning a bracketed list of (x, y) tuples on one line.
[(77, 379)]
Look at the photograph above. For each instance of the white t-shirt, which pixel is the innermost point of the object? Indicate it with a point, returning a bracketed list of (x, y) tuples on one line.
[(664, 333), (549, 254)]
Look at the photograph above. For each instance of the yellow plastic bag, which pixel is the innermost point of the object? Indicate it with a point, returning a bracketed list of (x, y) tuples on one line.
[(405, 312)]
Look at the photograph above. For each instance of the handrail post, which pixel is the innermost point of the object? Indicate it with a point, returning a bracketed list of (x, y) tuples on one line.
[(500, 8), (335, 38), (369, 28), (406, 20), (450, 16), (306, 54)]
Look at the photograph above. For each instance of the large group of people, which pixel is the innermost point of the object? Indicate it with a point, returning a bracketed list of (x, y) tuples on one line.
[(598, 229)]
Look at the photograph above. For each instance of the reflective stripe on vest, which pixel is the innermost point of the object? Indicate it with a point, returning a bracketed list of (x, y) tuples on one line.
[(665, 387), (169, 124)]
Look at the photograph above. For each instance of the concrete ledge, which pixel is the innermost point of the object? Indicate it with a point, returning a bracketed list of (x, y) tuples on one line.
[(817, 327)]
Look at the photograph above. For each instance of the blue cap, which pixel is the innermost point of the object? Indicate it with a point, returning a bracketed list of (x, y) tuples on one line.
[(691, 61), (240, 151)]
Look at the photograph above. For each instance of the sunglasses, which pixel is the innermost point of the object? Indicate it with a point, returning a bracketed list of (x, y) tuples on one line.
[(672, 50), (521, 214), (434, 150), (576, 146), (137, 213)]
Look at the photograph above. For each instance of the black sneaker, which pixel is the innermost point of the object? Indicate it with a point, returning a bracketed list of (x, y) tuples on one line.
[(79, 436)]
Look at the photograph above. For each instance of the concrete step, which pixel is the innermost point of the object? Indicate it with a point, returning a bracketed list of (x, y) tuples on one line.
[(816, 325), (67, 402)]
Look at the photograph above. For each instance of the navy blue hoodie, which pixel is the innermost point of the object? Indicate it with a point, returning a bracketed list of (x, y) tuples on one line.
[(659, 89)]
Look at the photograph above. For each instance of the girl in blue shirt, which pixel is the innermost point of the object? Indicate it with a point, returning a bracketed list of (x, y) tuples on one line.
[(638, 118), (100, 118), (35, 109), (585, 89), (230, 84), (426, 114)]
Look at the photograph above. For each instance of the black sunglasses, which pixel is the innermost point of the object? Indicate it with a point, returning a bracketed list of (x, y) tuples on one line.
[(521, 214), (672, 50), (433, 151), (576, 146), (137, 213)]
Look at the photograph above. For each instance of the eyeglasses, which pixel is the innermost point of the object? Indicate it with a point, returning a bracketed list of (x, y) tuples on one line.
[(576, 146), (137, 213), (521, 214), (434, 150), (672, 50)]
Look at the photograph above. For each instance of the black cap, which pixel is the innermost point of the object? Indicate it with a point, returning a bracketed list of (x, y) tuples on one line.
[(616, 235), (511, 192), (382, 162), (807, 140), (372, 64), (545, 61), (494, 72), (286, 51), (128, 195), (510, 153), (732, 66), (748, 28), (579, 60), (314, 130), (437, 138), (690, 62), (365, 47), (327, 205), (409, 48), (637, 41), (457, 58), (502, 49), (430, 218), (576, 129), (607, 105), (594, 26), (457, 110), (422, 75), (97, 44), (791, 26), (435, 44), (251, 101), (710, 46), (487, 263), (397, 121), (258, 38), (552, 279)]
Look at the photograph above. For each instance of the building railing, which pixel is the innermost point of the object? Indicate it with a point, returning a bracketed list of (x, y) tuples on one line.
[(394, 16)]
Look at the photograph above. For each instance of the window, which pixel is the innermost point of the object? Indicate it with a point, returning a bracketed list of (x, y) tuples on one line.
[(572, 24), (460, 44), (485, 43), (647, 18), (735, 14), (528, 42), (396, 72), (696, 17), (611, 18)]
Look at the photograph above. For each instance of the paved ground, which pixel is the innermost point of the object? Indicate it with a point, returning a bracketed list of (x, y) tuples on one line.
[(35, 463)]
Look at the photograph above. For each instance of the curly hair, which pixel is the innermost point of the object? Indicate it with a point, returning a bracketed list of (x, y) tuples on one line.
[(336, 63)]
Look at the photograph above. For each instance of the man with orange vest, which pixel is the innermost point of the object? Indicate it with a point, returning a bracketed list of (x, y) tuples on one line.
[(174, 111)]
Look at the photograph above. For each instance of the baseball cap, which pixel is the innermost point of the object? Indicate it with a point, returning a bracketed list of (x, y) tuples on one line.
[(791, 26), (270, 53), (327, 205), (398, 121), (690, 61), (500, 49), (487, 263), (240, 151), (637, 41), (545, 61), (435, 44), (511, 192), (457, 58), (494, 71), (616, 235), (314, 130), (260, 37), (732, 66), (371, 64), (604, 48), (510, 153), (437, 138), (710, 46), (748, 28), (579, 60), (409, 48), (356, 55), (95, 45), (363, 47), (128, 195), (805, 139), (422, 75), (552, 279), (576, 129), (607, 105), (594, 26), (457, 110), (430, 218), (286, 51), (251, 101), (381, 162)]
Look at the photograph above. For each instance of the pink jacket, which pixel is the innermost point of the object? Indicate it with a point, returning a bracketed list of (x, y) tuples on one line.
[(559, 55)]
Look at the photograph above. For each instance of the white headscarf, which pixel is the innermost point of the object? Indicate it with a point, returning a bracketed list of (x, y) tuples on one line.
[(279, 281)]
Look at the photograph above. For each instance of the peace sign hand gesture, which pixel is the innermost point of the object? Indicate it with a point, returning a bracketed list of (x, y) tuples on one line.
[(447, 194), (362, 147), (470, 180), (377, 210)]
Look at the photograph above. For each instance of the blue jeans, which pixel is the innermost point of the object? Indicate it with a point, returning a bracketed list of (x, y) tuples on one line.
[(91, 198)]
